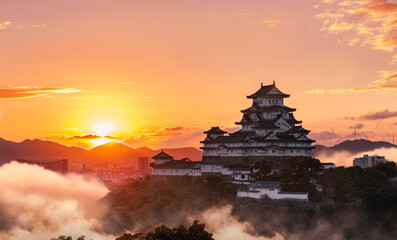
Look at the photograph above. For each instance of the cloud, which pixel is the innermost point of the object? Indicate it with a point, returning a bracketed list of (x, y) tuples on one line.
[(271, 21), (342, 26), (372, 20), (87, 136), (325, 135), (93, 136), (39, 25), (387, 82), (41, 204), (369, 23), (224, 225), (357, 126), (9, 92), (385, 114), (343, 158), (4, 25)]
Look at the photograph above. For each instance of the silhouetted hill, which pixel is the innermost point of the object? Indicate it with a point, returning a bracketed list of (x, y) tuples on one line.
[(351, 146), (115, 153), (38, 149)]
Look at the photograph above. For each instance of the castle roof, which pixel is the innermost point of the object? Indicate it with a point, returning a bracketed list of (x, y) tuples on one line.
[(162, 154), (292, 119), (297, 129), (177, 164), (215, 130), (256, 108), (268, 91), (211, 160)]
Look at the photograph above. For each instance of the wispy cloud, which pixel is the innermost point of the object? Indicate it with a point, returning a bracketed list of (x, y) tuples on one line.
[(4, 25), (374, 21), (271, 21), (386, 83), (92, 136), (369, 23), (12, 92), (7, 24), (385, 114)]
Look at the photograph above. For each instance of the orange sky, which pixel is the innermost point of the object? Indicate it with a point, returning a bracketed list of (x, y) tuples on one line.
[(161, 72)]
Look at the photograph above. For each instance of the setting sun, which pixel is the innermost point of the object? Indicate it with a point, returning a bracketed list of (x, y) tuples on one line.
[(103, 128)]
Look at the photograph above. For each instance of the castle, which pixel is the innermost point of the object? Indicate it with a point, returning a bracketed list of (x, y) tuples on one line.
[(269, 131), (268, 128)]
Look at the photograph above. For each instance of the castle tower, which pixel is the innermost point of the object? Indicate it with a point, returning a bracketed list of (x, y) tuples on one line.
[(268, 128)]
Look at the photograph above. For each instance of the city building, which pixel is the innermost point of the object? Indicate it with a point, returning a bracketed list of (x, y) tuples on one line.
[(368, 161), (272, 190), (143, 165), (166, 165), (268, 128), (59, 166)]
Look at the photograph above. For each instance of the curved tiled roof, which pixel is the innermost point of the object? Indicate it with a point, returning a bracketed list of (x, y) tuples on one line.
[(162, 154), (215, 130), (254, 109), (265, 91)]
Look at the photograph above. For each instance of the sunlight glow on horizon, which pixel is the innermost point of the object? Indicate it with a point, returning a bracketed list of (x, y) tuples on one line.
[(103, 128)]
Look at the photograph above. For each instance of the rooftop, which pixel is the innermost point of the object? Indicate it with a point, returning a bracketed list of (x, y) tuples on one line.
[(268, 90), (162, 154), (215, 130)]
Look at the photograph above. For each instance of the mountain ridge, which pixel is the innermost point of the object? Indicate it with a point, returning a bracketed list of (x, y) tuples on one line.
[(116, 153), (119, 153), (352, 147)]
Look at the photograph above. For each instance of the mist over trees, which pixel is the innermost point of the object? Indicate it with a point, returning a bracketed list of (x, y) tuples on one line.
[(346, 203)]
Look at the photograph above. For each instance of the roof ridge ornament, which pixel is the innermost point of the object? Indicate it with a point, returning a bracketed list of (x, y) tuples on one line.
[(274, 83)]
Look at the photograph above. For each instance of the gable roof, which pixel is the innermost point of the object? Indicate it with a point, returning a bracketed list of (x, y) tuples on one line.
[(162, 154), (255, 109), (297, 129), (268, 90), (215, 130)]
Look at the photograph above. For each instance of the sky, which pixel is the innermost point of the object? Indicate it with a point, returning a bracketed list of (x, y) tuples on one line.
[(159, 73)]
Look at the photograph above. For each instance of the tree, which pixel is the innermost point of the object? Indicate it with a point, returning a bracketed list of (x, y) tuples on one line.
[(300, 174), (263, 171), (352, 183), (388, 168)]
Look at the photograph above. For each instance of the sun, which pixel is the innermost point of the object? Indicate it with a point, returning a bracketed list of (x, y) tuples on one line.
[(103, 128)]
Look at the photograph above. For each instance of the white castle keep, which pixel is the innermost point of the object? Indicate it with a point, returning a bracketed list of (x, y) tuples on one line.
[(268, 128)]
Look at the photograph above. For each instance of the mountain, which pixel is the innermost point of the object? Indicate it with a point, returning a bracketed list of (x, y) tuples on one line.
[(38, 149), (351, 146), (116, 153)]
